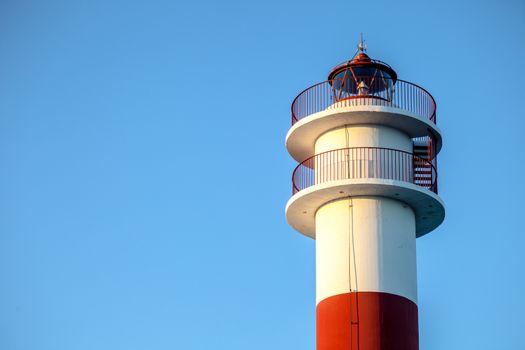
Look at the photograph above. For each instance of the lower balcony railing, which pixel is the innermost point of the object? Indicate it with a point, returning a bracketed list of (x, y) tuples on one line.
[(365, 163)]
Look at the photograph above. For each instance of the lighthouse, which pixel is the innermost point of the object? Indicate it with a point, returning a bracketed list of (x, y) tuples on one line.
[(365, 188)]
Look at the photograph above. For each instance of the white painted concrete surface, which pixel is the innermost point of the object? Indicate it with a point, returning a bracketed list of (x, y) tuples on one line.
[(363, 136), (366, 244)]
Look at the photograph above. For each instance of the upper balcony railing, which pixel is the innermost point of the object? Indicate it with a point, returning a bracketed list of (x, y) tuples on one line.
[(376, 91), (364, 163)]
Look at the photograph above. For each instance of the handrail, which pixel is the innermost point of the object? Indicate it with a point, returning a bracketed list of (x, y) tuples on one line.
[(364, 162), (338, 93)]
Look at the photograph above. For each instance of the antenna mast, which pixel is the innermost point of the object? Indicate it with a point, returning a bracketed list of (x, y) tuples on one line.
[(362, 46)]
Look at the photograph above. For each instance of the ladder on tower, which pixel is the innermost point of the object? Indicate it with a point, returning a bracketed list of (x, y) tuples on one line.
[(423, 174)]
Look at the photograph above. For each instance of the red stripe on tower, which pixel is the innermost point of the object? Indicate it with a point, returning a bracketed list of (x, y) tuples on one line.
[(367, 321)]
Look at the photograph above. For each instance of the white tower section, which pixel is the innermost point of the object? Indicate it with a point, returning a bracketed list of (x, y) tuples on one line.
[(365, 188)]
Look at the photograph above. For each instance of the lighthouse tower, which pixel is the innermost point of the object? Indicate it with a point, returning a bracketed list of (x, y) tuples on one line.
[(365, 189)]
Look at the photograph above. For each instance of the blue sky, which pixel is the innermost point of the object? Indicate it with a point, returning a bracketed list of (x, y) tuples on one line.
[(144, 176)]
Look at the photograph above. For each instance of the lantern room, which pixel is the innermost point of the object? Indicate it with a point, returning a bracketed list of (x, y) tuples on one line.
[(362, 77)]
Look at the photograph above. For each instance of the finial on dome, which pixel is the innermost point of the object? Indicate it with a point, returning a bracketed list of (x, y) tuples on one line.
[(362, 46)]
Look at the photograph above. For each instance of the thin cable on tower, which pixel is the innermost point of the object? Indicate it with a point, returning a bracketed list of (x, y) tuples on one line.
[(351, 255), (351, 250)]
